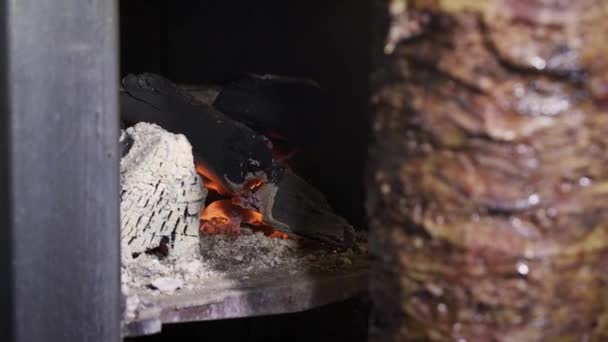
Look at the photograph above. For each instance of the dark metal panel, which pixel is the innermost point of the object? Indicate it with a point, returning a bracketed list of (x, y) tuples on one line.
[(60, 170), (6, 285)]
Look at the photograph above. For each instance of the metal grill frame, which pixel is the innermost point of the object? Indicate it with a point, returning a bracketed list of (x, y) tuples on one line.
[(59, 214)]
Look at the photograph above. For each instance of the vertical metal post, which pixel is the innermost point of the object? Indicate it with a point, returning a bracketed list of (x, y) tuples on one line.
[(59, 228)]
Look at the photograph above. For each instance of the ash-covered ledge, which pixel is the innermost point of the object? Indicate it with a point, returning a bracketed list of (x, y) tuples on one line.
[(174, 267), (244, 276), (171, 273)]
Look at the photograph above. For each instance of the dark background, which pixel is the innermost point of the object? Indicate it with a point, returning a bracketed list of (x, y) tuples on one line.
[(328, 41)]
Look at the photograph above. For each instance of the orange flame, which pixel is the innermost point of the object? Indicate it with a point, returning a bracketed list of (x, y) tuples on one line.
[(225, 216), (210, 180), (226, 209)]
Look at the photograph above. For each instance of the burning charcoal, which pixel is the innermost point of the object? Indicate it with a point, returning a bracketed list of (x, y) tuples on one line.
[(230, 151), (236, 161), (488, 193), (289, 207), (161, 194)]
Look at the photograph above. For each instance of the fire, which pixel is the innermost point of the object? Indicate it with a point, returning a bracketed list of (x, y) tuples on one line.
[(226, 209), (210, 180), (225, 216), (254, 184)]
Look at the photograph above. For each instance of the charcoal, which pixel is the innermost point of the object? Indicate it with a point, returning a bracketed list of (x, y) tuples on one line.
[(124, 143), (488, 175), (228, 149), (273, 104), (296, 207)]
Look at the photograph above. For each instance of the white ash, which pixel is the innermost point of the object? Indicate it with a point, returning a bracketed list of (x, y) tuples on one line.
[(167, 284), (227, 259), (161, 193), (249, 253), (132, 304), (147, 269), (216, 256)]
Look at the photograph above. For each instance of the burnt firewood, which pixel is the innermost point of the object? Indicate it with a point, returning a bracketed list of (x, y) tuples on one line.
[(161, 193), (276, 104), (230, 151), (488, 189), (306, 212), (296, 207)]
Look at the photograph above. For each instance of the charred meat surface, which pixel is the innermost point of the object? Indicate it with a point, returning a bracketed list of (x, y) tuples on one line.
[(488, 184)]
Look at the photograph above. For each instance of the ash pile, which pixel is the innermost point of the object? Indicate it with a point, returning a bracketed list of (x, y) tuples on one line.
[(206, 199)]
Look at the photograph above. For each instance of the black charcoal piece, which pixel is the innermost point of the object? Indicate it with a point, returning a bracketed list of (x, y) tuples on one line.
[(296, 207), (125, 143), (272, 103)]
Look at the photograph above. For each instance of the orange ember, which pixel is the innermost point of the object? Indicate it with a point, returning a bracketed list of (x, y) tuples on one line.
[(279, 235), (225, 216), (254, 184), (226, 209), (210, 180)]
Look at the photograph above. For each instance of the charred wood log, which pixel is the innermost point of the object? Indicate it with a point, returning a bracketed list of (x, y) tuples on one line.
[(295, 207), (276, 104), (306, 212), (230, 151), (161, 193), (489, 182)]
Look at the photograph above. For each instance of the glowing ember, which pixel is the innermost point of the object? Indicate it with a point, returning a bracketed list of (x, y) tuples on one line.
[(221, 225), (225, 216), (226, 210), (210, 180), (279, 235), (254, 184)]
